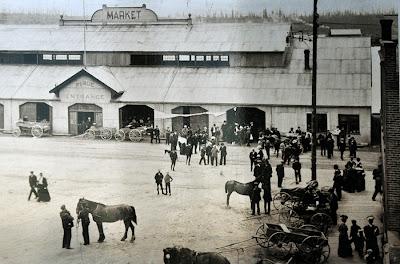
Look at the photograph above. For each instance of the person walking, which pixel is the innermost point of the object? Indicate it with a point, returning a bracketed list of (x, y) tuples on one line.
[(255, 197), (280, 172), (337, 181), (67, 223), (202, 155), (158, 178), (253, 157), (168, 179), (173, 156), (83, 217), (371, 232), (223, 154), (33, 184), (377, 176), (297, 170), (344, 249)]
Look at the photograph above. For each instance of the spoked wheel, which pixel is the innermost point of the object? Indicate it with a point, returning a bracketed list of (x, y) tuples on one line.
[(135, 135), (279, 245), (119, 135), (16, 132), (89, 134), (281, 200), (37, 131), (321, 221), (315, 249), (106, 134), (290, 217), (261, 236)]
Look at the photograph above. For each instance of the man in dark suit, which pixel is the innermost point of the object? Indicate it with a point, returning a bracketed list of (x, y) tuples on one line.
[(32, 184), (158, 178), (223, 154), (157, 134), (67, 223), (83, 216), (371, 232), (280, 172)]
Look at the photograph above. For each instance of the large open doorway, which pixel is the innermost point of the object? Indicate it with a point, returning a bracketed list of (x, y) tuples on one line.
[(83, 115), (1, 116), (136, 115), (35, 112), (195, 122), (246, 115)]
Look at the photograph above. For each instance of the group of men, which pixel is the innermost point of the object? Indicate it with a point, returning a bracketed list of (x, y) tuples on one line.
[(67, 221), (327, 143), (159, 177)]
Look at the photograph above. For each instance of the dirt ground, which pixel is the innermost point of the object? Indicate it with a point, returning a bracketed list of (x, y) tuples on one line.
[(194, 216)]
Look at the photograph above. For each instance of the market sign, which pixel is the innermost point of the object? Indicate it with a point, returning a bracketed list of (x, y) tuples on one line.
[(124, 15), (85, 90)]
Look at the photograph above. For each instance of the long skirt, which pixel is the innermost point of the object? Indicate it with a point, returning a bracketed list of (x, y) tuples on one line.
[(344, 249), (43, 194)]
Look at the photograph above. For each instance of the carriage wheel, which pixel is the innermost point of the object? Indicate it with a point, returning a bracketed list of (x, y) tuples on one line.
[(89, 134), (309, 228), (321, 221), (290, 217), (37, 131), (135, 135), (279, 245), (106, 134), (281, 200), (119, 135), (261, 236), (16, 132), (315, 249)]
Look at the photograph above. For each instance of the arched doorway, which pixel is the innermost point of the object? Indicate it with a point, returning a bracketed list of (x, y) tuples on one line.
[(195, 122), (35, 112), (246, 115), (139, 115), (79, 114), (1, 116)]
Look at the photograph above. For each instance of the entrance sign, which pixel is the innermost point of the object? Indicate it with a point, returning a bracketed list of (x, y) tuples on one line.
[(125, 15), (85, 90)]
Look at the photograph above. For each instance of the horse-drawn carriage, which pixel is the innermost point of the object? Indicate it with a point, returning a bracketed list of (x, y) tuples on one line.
[(297, 206), (133, 134), (36, 129), (305, 242), (104, 133)]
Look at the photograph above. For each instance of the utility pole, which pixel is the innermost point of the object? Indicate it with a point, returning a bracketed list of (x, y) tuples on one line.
[(84, 34), (314, 95)]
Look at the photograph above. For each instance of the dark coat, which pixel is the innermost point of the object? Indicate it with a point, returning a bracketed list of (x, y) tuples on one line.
[(84, 216), (223, 150), (280, 170), (66, 219), (159, 177), (32, 180), (256, 194)]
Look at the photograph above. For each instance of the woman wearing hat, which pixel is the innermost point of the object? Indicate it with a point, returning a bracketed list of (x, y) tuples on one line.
[(344, 249)]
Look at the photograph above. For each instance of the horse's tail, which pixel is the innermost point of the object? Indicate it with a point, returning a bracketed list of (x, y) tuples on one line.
[(134, 219)]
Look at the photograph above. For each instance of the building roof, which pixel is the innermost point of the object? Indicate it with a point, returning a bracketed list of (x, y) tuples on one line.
[(202, 37), (233, 86)]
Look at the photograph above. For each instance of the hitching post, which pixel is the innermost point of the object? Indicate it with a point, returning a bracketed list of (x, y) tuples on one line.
[(314, 95)]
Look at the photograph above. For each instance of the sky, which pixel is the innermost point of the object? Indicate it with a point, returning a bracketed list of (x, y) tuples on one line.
[(196, 7)]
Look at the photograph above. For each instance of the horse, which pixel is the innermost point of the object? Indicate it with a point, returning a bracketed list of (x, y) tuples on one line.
[(178, 255), (109, 214)]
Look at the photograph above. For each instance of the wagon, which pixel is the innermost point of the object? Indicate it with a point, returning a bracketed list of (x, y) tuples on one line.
[(306, 242), (104, 133), (36, 129), (133, 134)]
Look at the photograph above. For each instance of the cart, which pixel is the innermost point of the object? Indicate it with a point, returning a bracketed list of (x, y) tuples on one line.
[(36, 129), (105, 133), (306, 242), (133, 134)]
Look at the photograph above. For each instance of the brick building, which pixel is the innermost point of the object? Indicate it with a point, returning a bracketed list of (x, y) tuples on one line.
[(390, 116)]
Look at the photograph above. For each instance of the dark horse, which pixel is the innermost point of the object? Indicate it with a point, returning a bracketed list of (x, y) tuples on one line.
[(246, 188), (178, 255), (109, 214)]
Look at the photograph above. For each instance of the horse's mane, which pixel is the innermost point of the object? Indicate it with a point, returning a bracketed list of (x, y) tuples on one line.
[(94, 202)]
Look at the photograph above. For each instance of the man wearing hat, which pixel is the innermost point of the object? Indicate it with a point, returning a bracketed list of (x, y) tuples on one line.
[(257, 168), (371, 232), (255, 197), (252, 157), (32, 183), (67, 223), (280, 172)]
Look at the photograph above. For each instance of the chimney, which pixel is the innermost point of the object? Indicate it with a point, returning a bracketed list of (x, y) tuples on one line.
[(386, 27), (307, 59)]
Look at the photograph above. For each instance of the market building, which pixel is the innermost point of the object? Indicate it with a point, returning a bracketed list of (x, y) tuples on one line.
[(124, 63)]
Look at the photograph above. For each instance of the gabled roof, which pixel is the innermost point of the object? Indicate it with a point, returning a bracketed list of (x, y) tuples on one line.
[(100, 74)]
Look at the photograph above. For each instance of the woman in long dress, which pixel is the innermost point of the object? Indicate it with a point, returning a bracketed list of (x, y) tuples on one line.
[(43, 192), (344, 249)]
